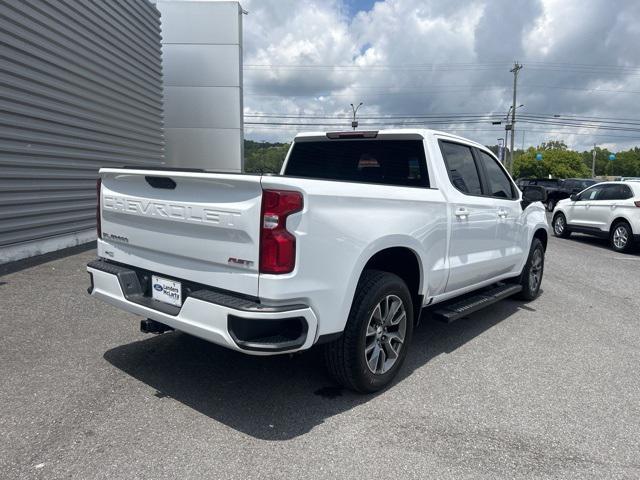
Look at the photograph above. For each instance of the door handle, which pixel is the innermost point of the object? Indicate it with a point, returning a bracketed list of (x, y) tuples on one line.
[(502, 213), (462, 212)]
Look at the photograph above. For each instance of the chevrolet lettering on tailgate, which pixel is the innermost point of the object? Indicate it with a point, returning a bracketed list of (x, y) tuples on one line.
[(187, 213)]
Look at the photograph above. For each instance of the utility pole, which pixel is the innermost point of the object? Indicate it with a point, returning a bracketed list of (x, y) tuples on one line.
[(516, 68), (507, 128), (593, 162)]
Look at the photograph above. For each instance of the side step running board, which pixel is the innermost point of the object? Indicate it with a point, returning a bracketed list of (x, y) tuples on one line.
[(457, 309)]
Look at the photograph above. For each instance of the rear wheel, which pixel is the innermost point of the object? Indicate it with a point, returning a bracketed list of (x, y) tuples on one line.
[(531, 277), (621, 237), (560, 228), (374, 344)]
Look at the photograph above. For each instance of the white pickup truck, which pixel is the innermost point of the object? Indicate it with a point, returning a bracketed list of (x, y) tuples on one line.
[(345, 247)]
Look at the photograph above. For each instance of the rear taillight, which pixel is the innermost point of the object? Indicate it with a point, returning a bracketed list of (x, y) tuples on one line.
[(98, 226), (637, 202), (277, 245)]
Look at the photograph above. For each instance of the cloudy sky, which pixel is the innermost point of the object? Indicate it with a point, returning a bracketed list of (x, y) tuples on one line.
[(445, 63)]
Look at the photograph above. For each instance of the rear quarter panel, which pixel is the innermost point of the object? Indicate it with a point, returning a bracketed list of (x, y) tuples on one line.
[(341, 226)]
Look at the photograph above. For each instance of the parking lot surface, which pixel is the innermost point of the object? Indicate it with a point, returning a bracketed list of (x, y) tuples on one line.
[(548, 389)]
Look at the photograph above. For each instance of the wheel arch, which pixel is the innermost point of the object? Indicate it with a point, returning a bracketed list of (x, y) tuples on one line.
[(618, 220), (404, 262), (557, 211), (542, 235)]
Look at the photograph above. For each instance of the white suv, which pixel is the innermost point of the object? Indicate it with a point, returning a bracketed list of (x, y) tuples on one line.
[(607, 210)]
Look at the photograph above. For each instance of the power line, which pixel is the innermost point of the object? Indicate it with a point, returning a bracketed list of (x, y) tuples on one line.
[(563, 67), (416, 88), (447, 122), (555, 119), (463, 129), (453, 89), (442, 115)]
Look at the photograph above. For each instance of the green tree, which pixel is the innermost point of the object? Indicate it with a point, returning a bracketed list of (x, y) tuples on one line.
[(264, 157), (553, 145), (626, 164), (602, 160), (559, 162)]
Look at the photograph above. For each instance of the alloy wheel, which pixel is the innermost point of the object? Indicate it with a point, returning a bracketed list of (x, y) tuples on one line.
[(385, 334), (559, 225), (620, 237), (535, 271)]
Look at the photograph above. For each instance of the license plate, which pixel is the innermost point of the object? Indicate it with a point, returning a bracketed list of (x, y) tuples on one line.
[(166, 291)]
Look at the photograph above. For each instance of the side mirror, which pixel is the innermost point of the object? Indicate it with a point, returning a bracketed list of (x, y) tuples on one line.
[(574, 197), (534, 193)]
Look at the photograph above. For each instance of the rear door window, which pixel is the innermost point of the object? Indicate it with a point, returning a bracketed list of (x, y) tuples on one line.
[(607, 193), (498, 182), (387, 162), (462, 167), (615, 192)]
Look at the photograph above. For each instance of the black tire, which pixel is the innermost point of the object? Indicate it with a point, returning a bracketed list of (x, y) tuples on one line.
[(551, 204), (623, 228), (345, 357), (530, 282), (559, 224)]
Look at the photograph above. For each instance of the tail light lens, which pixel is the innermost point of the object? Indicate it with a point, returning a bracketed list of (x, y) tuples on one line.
[(98, 216), (637, 202), (277, 245)]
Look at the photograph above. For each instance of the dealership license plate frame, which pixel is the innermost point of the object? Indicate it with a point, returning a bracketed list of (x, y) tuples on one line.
[(169, 293)]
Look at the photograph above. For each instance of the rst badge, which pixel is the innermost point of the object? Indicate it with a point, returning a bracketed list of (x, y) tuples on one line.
[(240, 261)]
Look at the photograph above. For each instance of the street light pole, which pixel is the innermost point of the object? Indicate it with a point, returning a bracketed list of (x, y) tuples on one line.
[(593, 162), (354, 122)]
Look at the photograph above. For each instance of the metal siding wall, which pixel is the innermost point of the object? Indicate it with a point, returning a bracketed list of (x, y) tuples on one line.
[(80, 89)]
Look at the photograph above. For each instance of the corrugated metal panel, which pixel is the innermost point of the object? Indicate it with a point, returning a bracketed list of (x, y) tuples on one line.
[(80, 88)]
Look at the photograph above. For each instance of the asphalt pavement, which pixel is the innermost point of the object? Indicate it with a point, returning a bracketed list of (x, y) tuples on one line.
[(547, 389)]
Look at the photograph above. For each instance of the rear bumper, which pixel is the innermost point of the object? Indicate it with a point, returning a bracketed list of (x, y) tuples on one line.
[(232, 321)]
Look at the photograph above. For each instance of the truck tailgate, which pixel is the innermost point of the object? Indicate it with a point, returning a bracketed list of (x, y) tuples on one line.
[(195, 225)]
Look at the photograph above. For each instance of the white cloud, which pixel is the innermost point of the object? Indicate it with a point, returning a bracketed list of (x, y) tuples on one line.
[(463, 49)]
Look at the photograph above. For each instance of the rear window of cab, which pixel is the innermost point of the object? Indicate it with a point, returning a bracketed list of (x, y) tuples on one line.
[(385, 162)]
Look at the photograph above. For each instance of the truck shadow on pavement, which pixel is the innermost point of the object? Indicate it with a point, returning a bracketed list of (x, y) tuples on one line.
[(281, 397), (601, 243)]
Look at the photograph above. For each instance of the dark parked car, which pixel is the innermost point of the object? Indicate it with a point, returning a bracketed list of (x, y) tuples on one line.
[(567, 188), (556, 188), (551, 185)]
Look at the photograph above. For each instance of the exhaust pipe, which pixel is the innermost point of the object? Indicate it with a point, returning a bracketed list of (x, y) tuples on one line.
[(151, 326)]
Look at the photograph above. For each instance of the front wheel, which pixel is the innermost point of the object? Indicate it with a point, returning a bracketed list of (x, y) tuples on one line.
[(560, 228), (374, 344), (531, 277)]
